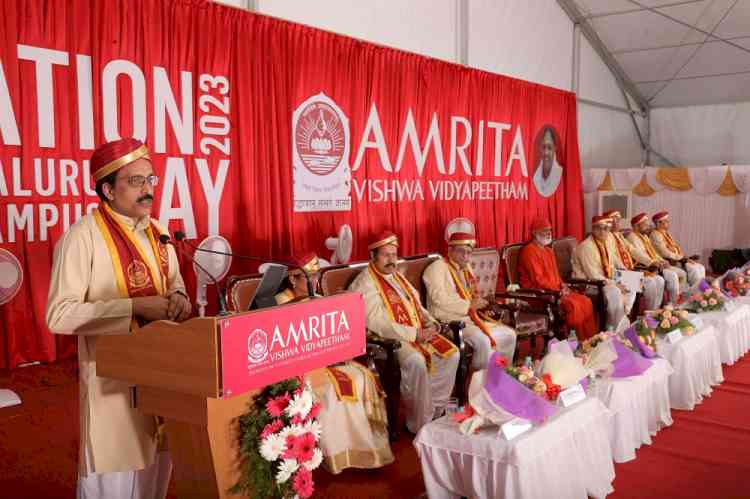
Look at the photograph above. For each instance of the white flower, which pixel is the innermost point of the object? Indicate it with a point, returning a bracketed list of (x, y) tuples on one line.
[(286, 470), (314, 428), (669, 307), (272, 447), (315, 461), (300, 405)]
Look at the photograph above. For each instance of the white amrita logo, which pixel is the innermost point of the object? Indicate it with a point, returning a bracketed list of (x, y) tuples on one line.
[(320, 154), (257, 346)]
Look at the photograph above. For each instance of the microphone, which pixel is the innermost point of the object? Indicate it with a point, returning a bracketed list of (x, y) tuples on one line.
[(164, 239), (180, 236)]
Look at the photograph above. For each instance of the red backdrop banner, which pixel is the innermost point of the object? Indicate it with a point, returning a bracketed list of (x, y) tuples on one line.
[(269, 133)]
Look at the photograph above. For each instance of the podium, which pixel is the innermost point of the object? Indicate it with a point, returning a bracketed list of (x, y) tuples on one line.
[(202, 374)]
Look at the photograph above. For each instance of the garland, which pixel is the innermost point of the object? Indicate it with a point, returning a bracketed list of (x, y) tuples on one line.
[(279, 438)]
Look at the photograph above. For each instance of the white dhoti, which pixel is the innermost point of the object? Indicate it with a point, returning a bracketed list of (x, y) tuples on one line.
[(653, 291), (695, 273), (619, 304), (672, 278), (505, 343), (354, 433), (149, 483), (422, 392)]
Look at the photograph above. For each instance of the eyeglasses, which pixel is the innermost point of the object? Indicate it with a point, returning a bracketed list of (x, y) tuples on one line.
[(139, 180)]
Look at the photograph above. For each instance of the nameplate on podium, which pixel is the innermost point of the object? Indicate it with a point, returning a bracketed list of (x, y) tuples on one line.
[(269, 345)]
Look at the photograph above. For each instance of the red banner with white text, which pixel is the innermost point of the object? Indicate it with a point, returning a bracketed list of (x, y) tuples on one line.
[(269, 133)]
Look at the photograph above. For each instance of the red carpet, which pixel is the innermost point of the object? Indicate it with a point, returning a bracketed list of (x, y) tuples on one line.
[(705, 454)]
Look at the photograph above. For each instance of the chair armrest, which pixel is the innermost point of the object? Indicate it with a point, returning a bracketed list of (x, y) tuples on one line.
[(455, 331), (589, 282), (384, 343), (531, 295)]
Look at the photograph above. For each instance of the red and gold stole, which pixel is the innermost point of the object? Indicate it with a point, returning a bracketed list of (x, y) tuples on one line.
[(622, 250), (408, 313), (134, 276), (343, 384), (468, 294), (648, 246), (671, 244), (604, 257)]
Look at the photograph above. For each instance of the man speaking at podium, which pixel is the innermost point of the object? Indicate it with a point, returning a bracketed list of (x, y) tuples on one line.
[(110, 275)]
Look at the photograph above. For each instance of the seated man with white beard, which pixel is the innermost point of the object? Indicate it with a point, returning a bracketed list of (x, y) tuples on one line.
[(653, 284), (668, 248), (393, 310), (645, 254), (453, 295), (594, 258)]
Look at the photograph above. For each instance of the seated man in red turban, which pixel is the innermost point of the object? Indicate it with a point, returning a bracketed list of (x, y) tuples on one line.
[(537, 268), (353, 415)]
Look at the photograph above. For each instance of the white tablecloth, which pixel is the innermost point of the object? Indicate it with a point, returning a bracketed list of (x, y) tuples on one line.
[(732, 331), (569, 456), (697, 367), (640, 407)]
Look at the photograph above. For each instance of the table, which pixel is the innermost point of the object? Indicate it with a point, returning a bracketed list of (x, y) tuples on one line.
[(640, 407), (697, 367), (567, 457), (732, 331)]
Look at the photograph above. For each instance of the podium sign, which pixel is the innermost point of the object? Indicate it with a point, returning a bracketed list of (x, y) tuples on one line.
[(269, 345)]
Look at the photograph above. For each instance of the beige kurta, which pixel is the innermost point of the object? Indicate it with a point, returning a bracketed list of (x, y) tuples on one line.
[(354, 433), (660, 244), (445, 304), (653, 284), (673, 276), (639, 251), (694, 270), (422, 392), (84, 300), (587, 264)]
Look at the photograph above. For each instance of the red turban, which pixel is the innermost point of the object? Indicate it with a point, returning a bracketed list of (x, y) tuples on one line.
[(638, 219), (462, 239), (383, 239), (307, 262), (662, 215), (112, 156), (540, 223)]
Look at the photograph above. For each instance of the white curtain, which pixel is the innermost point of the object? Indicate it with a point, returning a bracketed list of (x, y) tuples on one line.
[(592, 178), (624, 179), (708, 179)]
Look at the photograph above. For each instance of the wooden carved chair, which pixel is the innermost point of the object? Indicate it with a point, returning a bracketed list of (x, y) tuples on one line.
[(538, 302), (528, 316), (240, 290), (564, 250)]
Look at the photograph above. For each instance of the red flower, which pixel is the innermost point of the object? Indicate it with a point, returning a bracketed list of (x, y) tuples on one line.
[(501, 361), (303, 484), (314, 411), (276, 406), (468, 412), (272, 427), (300, 448)]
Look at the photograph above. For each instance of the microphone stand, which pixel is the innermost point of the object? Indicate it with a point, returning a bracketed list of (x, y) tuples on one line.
[(180, 236), (164, 239)]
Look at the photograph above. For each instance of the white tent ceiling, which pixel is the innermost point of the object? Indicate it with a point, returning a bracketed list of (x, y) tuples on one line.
[(674, 53)]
